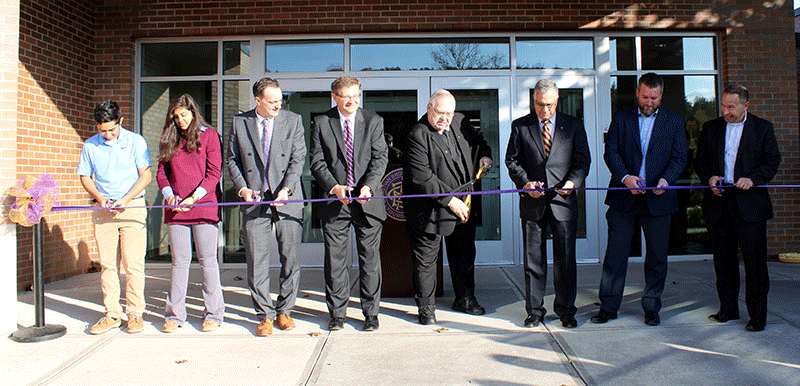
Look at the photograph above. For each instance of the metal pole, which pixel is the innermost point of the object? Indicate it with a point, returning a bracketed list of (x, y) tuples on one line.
[(38, 275), (39, 332)]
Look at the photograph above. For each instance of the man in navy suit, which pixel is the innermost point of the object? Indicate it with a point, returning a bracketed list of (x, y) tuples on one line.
[(645, 147), (738, 150), (348, 159), (548, 150)]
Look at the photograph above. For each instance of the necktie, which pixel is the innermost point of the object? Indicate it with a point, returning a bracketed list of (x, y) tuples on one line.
[(348, 145), (266, 137), (546, 137)]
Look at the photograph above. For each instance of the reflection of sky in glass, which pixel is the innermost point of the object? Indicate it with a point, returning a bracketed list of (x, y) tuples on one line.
[(305, 56), (555, 54), (698, 53), (699, 86), (420, 56)]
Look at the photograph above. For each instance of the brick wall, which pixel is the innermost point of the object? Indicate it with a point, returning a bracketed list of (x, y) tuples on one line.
[(55, 101), (80, 52), (747, 30)]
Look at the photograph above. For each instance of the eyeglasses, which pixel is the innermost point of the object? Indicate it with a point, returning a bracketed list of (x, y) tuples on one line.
[(348, 97), (448, 114)]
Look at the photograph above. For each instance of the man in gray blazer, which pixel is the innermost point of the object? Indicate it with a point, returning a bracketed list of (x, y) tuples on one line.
[(265, 158), (348, 160), (549, 150)]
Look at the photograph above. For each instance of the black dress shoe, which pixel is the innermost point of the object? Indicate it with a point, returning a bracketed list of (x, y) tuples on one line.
[(719, 317), (427, 315), (468, 305), (754, 326), (336, 323), (371, 323), (651, 318), (603, 316), (532, 320), (569, 322)]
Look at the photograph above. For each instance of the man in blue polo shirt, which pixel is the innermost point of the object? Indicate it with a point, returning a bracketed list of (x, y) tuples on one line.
[(115, 168)]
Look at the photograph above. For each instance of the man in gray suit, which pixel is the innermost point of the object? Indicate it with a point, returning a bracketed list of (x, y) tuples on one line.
[(348, 160), (265, 159), (548, 150)]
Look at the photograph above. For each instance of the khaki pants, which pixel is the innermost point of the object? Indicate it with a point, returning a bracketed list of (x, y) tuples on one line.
[(122, 232)]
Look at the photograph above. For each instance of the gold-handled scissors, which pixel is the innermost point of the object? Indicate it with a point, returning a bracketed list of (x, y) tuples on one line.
[(468, 200)]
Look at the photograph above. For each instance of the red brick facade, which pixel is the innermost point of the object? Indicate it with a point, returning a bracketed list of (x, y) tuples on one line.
[(80, 52)]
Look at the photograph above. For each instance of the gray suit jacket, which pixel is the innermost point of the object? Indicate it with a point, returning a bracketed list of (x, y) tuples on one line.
[(569, 160), (329, 165), (287, 153)]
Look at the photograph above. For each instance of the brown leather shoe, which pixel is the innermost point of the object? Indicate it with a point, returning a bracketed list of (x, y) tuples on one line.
[(264, 328), (284, 322)]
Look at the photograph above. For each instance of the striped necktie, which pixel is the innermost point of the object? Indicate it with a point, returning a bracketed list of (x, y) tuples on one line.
[(266, 138), (348, 145), (547, 138)]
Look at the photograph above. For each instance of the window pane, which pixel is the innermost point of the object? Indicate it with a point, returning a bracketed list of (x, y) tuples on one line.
[(694, 97), (309, 104), (155, 98), (236, 58), (622, 54), (662, 53), (236, 99), (481, 109), (398, 108), (293, 56), (623, 92), (427, 54), (698, 54), (179, 59), (568, 54)]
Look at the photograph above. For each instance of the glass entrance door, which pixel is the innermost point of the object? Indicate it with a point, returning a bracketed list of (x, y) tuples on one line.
[(576, 98), (486, 102)]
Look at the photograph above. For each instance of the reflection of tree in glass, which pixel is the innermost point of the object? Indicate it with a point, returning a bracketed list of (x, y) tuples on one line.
[(463, 56)]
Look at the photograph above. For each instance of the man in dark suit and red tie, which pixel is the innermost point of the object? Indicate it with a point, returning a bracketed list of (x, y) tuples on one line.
[(348, 159), (443, 153), (265, 159), (548, 150), (645, 147), (738, 152)]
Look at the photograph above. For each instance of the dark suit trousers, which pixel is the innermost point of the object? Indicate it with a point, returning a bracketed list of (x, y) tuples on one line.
[(257, 233), (564, 265), (726, 237), (337, 261), (460, 256), (621, 226)]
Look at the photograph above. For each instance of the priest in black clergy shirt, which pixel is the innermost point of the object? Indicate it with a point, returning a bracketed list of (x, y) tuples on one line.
[(443, 153)]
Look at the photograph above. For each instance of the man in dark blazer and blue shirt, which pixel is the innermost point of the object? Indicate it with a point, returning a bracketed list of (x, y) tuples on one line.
[(739, 152), (348, 160), (645, 147), (548, 150), (265, 159), (443, 153)]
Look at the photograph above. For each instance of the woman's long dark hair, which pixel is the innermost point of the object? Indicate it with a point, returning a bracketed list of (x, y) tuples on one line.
[(172, 135)]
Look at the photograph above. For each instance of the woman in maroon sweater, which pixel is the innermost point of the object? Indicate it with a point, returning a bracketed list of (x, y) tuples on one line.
[(189, 170)]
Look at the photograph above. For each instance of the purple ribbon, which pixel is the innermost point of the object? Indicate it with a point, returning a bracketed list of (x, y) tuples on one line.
[(501, 191)]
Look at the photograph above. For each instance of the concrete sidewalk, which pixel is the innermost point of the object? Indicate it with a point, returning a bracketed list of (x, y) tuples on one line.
[(493, 349)]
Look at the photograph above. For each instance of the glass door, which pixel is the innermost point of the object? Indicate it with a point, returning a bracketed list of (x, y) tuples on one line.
[(576, 98), (486, 102)]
